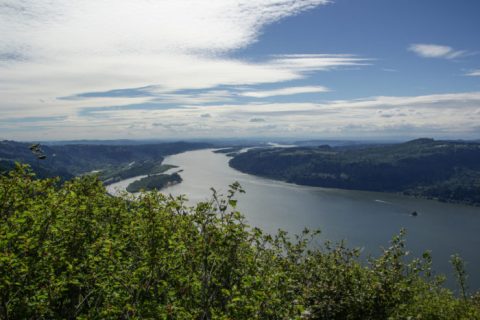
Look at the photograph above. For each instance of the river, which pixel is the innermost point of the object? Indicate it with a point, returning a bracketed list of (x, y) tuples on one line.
[(366, 220)]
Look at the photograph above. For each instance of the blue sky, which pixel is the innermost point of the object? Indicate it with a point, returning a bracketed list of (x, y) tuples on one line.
[(383, 30), (234, 68)]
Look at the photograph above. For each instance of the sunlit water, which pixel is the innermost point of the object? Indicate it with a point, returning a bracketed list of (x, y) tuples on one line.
[(366, 220)]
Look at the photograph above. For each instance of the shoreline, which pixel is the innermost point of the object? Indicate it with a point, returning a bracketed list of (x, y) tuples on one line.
[(400, 193)]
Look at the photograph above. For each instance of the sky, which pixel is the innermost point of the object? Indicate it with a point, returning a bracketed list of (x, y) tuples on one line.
[(300, 69)]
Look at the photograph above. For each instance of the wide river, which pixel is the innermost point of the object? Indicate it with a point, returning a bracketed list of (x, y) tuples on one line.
[(366, 220)]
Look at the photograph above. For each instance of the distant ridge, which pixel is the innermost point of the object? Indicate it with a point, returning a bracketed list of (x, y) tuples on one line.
[(68, 160), (112, 142)]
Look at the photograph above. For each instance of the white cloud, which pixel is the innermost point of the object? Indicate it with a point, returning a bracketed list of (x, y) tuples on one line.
[(316, 62), (206, 97), (474, 73), (444, 100), (108, 27), (26, 84), (52, 48), (285, 91), (453, 115), (435, 51)]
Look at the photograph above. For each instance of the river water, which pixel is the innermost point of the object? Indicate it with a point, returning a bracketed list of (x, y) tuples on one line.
[(366, 220)]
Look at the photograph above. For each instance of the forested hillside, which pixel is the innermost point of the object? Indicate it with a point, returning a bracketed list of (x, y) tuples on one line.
[(443, 170), (112, 161), (73, 252)]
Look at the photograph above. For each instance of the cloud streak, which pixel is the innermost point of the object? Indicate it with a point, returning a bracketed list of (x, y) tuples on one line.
[(436, 51), (473, 73), (285, 91)]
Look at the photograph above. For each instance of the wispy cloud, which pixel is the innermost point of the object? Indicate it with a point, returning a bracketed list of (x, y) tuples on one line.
[(119, 27), (473, 73), (316, 62), (439, 115), (285, 91), (436, 51), (58, 57)]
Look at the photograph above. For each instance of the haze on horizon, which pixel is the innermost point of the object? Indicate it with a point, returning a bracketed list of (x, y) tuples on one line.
[(145, 69)]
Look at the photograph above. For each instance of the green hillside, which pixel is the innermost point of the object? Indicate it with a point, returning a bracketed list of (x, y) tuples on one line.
[(443, 170), (112, 162)]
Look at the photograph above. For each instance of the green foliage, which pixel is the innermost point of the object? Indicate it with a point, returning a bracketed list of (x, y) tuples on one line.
[(72, 251), (460, 273)]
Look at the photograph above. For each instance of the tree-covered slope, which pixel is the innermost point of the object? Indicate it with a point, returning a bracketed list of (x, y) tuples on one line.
[(444, 170), (154, 182), (71, 160), (73, 252)]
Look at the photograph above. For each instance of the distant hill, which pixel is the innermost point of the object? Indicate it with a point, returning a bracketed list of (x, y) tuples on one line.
[(443, 170), (339, 143), (119, 142), (76, 159)]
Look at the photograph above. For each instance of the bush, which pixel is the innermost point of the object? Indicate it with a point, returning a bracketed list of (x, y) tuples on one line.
[(73, 251)]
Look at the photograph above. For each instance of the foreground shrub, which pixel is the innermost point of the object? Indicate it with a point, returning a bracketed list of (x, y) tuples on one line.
[(73, 251)]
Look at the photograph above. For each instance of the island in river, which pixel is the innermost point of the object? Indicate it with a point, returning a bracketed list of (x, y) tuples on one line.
[(154, 182)]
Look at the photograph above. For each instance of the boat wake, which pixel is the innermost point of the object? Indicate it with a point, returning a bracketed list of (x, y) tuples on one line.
[(382, 201)]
